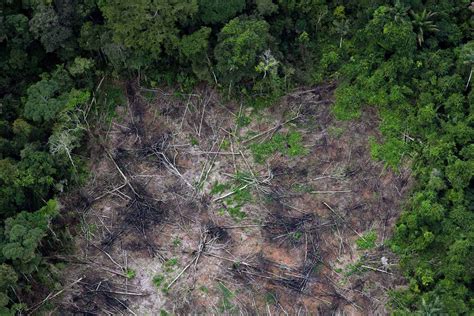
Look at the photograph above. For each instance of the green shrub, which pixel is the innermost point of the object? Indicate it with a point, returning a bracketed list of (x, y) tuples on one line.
[(225, 302), (158, 280), (130, 273), (367, 241), (290, 144)]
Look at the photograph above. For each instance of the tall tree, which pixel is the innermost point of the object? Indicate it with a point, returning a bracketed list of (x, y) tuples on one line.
[(216, 11), (47, 27), (422, 24), (147, 27), (241, 42), (194, 49), (48, 97)]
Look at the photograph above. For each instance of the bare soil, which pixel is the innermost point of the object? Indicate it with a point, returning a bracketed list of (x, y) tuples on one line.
[(148, 213)]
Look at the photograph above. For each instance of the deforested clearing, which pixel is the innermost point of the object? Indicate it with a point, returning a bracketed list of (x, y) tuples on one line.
[(199, 205)]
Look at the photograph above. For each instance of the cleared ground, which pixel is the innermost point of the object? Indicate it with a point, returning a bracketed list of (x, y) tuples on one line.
[(200, 205)]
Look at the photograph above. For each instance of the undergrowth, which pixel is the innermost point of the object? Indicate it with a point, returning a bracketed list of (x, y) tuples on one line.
[(161, 281), (130, 273), (367, 241), (240, 186), (225, 302), (290, 144)]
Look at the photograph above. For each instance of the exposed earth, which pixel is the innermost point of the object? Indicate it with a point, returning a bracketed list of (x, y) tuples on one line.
[(199, 205)]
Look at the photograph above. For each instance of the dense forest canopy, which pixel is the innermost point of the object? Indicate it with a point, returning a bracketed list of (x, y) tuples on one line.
[(412, 60)]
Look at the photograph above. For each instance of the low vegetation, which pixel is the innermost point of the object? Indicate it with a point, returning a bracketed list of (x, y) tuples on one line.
[(367, 241), (289, 144)]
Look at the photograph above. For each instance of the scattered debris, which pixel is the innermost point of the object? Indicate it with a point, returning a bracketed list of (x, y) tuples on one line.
[(164, 187)]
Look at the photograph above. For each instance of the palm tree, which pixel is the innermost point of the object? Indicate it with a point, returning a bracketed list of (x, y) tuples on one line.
[(399, 11), (429, 308), (422, 23)]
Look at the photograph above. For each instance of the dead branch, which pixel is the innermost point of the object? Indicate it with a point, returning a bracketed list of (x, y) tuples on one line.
[(122, 293), (202, 116), (51, 296), (109, 192), (113, 272), (181, 273), (344, 220), (280, 125), (213, 153), (376, 269), (201, 247), (231, 193), (330, 192), (172, 168), (122, 174), (108, 256)]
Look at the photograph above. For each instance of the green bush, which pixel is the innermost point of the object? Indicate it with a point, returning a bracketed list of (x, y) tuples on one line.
[(367, 241), (290, 144)]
